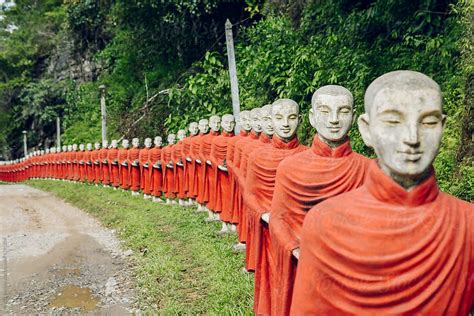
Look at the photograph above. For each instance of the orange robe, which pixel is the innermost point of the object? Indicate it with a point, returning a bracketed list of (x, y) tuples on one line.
[(178, 165), (124, 165), (242, 216), (302, 181), (195, 178), (221, 181), (88, 165), (382, 250), (206, 169), (145, 165), (70, 165), (134, 168), (168, 172), (114, 168), (76, 157), (259, 183), (96, 166), (185, 154), (80, 156), (156, 174), (104, 166)]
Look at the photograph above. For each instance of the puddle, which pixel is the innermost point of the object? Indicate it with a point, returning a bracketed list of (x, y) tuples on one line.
[(73, 296)]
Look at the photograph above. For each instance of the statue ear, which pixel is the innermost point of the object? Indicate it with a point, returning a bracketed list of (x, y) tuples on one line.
[(312, 120), (364, 129)]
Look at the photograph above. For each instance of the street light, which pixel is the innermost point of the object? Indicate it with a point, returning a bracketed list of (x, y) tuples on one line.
[(25, 148), (103, 113)]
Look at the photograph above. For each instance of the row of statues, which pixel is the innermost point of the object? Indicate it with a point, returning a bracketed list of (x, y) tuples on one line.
[(324, 229)]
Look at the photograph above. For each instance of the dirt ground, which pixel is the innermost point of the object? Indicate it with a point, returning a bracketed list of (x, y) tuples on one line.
[(54, 258)]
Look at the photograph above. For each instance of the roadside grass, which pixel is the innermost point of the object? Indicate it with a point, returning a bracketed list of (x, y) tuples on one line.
[(181, 265)]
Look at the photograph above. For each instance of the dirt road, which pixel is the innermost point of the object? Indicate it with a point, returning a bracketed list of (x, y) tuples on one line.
[(54, 258)]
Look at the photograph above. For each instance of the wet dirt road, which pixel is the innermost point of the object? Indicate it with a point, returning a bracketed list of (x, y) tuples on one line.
[(54, 258)]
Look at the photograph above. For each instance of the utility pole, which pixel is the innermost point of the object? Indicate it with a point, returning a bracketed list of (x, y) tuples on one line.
[(103, 113), (58, 132), (234, 84), (25, 147)]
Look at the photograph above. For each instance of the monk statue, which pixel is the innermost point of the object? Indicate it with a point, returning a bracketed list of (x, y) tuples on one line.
[(81, 156), (134, 166), (178, 164), (188, 162), (168, 170), (123, 160), (104, 164), (75, 156), (70, 164), (198, 164), (96, 164), (88, 163), (221, 182), (328, 168), (145, 165), (156, 172), (397, 245)]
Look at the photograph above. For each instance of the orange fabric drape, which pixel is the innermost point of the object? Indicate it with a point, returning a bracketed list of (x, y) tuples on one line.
[(123, 168), (88, 165), (134, 168), (382, 250), (104, 166), (204, 195), (96, 166), (260, 182), (178, 165), (221, 181), (80, 156), (185, 156), (156, 174), (168, 172), (301, 182), (145, 165), (114, 168), (195, 175)]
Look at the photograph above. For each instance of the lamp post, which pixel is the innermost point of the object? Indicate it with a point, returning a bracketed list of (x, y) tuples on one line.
[(25, 147), (103, 113)]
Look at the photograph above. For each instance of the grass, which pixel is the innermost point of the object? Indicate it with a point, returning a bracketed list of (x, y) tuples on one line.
[(181, 265)]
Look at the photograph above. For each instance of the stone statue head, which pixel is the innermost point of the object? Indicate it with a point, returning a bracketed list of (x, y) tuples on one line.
[(42, 152), (82, 147), (89, 146), (47, 150), (114, 143), (64, 148), (228, 123), (105, 144), (74, 147), (215, 123), (135, 142), (331, 113), (203, 126), (193, 128), (255, 117), (285, 117), (97, 146), (171, 139), (266, 120), (181, 134), (148, 142), (58, 149), (69, 148), (403, 122), (245, 120), (53, 150), (125, 143), (158, 141)]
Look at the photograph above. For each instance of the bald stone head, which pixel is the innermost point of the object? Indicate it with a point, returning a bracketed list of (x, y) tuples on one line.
[(255, 117), (215, 123), (203, 126), (266, 120), (193, 128), (81, 147), (135, 142), (228, 123), (245, 121), (158, 141), (181, 134), (171, 139), (403, 122), (97, 145), (114, 143), (331, 113), (148, 142), (89, 146), (125, 143), (285, 117)]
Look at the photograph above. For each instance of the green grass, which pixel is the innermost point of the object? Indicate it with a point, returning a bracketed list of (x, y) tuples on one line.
[(181, 265)]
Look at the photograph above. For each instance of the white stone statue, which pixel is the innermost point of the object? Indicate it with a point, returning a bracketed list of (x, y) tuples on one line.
[(266, 120)]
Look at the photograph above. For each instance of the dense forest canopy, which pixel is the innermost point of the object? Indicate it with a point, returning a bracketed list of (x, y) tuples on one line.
[(164, 64)]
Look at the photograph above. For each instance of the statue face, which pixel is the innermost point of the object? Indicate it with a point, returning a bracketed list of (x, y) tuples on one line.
[(114, 144), (405, 128), (266, 121), (245, 121), (285, 119), (89, 146), (97, 146), (64, 148), (105, 144), (181, 134), (135, 142), (255, 122), (125, 143), (69, 148), (215, 123), (81, 147), (228, 123), (158, 141), (331, 115), (171, 139), (204, 126), (193, 128), (74, 147), (147, 142)]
